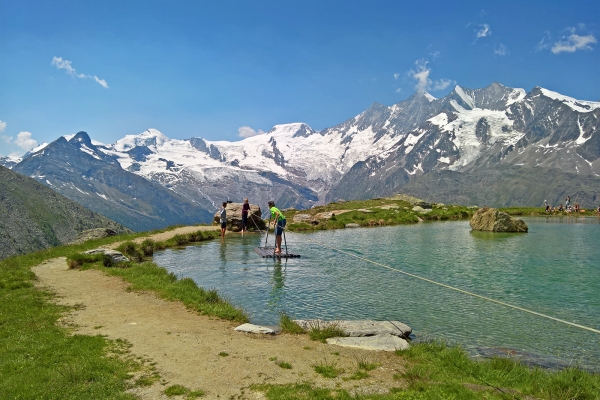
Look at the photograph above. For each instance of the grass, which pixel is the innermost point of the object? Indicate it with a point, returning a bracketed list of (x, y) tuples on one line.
[(375, 212), (41, 359), (289, 326), (327, 369), (322, 331), (179, 390), (434, 370)]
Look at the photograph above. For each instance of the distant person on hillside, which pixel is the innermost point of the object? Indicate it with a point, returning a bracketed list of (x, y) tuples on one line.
[(279, 225), (245, 209), (547, 206), (568, 202), (223, 219)]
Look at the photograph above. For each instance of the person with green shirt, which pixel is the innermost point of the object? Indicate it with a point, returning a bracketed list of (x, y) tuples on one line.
[(279, 225)]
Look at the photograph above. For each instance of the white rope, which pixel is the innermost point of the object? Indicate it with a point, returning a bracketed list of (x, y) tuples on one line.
[(457, 289)]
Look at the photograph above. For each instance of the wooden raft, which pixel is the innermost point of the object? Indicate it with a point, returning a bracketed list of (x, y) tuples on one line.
[(268, 252)]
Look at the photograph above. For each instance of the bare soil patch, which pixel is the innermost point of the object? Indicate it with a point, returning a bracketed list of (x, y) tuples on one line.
[(197, 351)]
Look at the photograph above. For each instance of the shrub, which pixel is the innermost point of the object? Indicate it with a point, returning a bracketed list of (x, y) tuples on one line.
[(147, 247)]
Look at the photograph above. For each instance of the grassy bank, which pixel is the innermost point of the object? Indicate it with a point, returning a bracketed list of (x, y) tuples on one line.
[(375, 212), (39, 359), (435, 371)]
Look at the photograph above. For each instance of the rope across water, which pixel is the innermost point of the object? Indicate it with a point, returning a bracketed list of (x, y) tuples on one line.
[(457, 289)]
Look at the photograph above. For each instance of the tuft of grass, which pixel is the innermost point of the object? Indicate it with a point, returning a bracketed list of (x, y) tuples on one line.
[(284, 365), (223, 354), (147, 247), (289, 326), (363, 363), (327, 369), (358, 375), (180, 390), (321, 330)]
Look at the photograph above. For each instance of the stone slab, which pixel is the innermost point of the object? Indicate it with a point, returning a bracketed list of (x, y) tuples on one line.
[(360, 328), (382, 342), (251, 328), (114, 254)]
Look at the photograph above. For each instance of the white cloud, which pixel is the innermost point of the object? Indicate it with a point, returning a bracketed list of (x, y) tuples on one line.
[(435, 55), (59, 63), (2, 126), (25, 141), (573, 43), (544, 43), (421, 75), (396, 76), (441, 84), (398, 90), (246, 132), (501, 50), (484, 31), (7, 139)]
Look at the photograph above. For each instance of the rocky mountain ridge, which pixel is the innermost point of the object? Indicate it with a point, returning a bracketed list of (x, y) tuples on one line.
[(376, 153)]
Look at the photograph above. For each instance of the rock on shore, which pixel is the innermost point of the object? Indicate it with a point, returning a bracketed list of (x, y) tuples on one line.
[(494, 220)]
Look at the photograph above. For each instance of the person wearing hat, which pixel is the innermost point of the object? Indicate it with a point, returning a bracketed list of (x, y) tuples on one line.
[(279, 225)]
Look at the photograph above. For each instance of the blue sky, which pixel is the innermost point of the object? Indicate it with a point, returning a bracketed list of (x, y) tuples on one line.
[(222, 70)]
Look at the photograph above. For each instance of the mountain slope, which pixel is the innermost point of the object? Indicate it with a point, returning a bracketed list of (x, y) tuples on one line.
[(34, 217), (79, 171), (506, 186)]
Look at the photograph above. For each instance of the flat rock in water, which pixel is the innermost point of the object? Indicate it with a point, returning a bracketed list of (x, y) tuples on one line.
[(382, 342), (352, 226), (360, 328), (251, 328), (115, 255)]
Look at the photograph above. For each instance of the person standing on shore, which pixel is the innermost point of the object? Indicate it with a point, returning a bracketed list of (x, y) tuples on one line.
[(223, 219), (245, 209), (279, 225)]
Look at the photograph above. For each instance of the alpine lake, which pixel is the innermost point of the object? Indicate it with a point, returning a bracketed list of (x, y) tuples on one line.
[(553, 270)]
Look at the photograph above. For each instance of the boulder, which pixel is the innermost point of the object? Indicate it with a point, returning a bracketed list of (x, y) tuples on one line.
[(382, 342), (251, 328), (360, 328), (352, 226), (302, 218), (116, 256), (234, 217), (494, 220), (97, 233)]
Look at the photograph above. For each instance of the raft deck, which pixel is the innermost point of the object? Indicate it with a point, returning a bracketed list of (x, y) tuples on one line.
[(265, 252)]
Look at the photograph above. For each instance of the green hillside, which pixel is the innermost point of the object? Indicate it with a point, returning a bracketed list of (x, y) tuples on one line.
[(34, 217)]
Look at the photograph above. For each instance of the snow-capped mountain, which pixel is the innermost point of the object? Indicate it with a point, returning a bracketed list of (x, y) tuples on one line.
[(372, 154)]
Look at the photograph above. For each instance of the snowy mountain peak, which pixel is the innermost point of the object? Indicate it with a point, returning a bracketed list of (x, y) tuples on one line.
[(429, 97), (577, 105), (297, 129), (151, 137), (464, 97)]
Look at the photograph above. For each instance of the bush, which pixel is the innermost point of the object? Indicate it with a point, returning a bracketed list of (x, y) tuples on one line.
[(147, 247)]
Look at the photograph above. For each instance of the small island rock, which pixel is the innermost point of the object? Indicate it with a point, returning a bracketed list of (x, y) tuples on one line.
[(494, 220)]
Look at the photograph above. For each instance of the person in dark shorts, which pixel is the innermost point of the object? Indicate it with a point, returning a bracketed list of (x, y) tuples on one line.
[(279, 225), (245, 209), (223, 219)]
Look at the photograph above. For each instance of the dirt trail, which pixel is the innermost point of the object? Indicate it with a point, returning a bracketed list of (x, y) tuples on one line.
[(186, 346)]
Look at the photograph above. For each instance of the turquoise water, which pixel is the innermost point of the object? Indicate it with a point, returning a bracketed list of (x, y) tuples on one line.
[(554, 270)]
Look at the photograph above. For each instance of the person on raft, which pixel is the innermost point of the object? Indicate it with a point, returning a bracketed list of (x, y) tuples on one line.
[(245, 209), (279, 225)]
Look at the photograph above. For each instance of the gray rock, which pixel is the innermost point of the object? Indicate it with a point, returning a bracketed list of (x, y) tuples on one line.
[(115, 255), (494, 220), (97, 233), (360, 328), (352, 226), (251, 328), (421, 210), (234, 217), (382, 342), (302, 218)]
